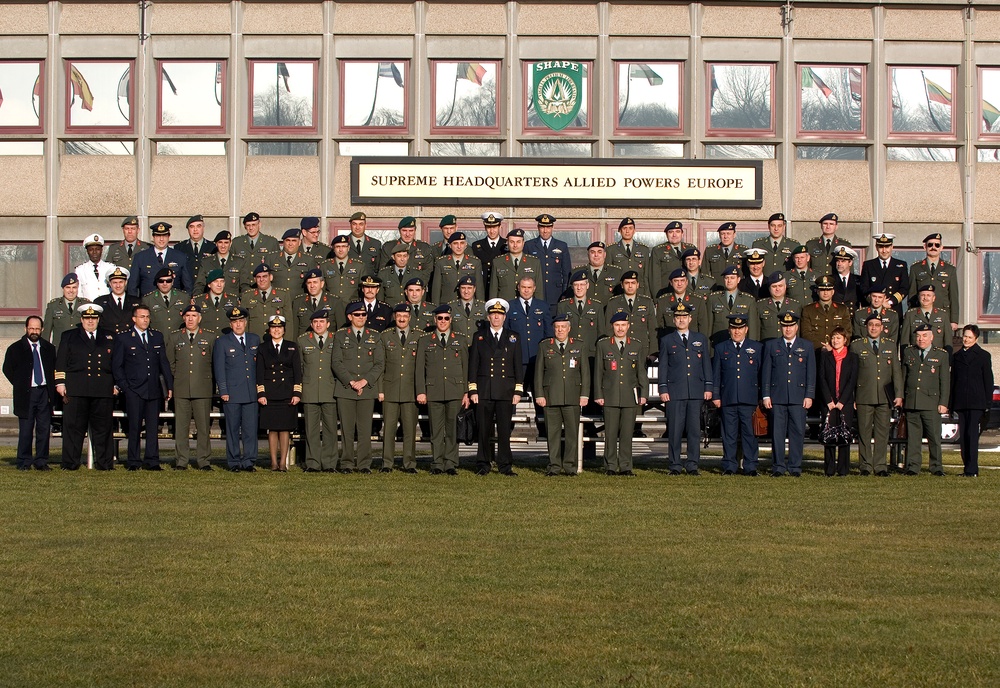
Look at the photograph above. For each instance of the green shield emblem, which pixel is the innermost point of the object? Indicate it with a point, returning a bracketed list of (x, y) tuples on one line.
[(557, 92)]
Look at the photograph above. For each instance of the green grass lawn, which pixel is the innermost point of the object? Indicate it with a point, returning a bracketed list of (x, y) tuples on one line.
[(189, 579)]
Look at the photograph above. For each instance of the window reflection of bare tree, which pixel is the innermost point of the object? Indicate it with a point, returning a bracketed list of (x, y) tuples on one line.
[(270, 110), (742, 98)]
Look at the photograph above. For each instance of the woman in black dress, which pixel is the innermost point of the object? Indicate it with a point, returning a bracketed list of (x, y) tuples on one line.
[(971, 394), (279, 387), (838, 377)]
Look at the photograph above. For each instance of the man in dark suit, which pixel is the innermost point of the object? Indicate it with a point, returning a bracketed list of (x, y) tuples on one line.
[(196, 246), (29, 365), (685, 383), (86, 383), (846, 285), (496, 383), (139, 361), (886, 272), (735, 379), (150, 261), (554, 257), (788, 386), (754, 282), (489, 247), (532, 320), (117, 305), (234, 363)]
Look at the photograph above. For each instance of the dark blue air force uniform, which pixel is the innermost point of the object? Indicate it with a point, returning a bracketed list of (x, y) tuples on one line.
[(685, 373), (736, 375), (137, 368), (235, 370), (788, 377)]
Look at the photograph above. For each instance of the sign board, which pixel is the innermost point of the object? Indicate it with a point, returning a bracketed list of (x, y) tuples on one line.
[(633, 183)]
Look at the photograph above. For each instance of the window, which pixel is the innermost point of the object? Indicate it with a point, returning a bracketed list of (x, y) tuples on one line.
[(104, 147), (20, 278), (74, 254), (191, 95), (649, 97), (989, 89), (651, 233), (22, 147), (21, 90), (384, 229), (557, 150), (374, 97), (831, 100), (559, 97), (921, 104), (464, 96), (990, 301), (352, 148), (740, 152), (99, 96), (648, 150), (190, 147), (831, 152), (488, 149), (740, 99), (746, 233), (283, 96), (920, 154), (984, 154), (282, 148)]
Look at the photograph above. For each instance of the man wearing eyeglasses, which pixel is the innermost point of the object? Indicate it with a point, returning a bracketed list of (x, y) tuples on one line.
[(165, 302), (311, 245), (940, 274), (148, 262)]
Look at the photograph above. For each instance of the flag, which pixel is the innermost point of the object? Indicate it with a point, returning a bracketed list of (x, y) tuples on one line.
[(37, 90), (810, 79), (715, 87), (389, 69), (81, 88), (283, 73), (471, 71), (123, 85), (854, 77), (936, 93), (644, 71), (170, 82), (990, 115), (218, 73), (1, 98)]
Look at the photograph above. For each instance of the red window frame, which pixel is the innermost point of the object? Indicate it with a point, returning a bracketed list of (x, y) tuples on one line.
[(991, 136), (831, 134), (464, 130), (162, 128), (704, 228), (267, 129), (980, 315), (40, 89), (620, 130), (920, 135), (569, 131), (372, 129), (86, 128), (38, 309), (739, 133)]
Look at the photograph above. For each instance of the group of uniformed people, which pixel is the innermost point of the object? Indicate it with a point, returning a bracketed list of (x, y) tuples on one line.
[(274, 326)]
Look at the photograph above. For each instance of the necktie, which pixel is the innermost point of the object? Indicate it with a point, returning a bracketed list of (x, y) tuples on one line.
[(216, 301), (70, 304), (129, 250), (144, 342), (341, 268), (885, 265), (166, 300), (694, 282), (630, 305), (684, 339), (222, 263), (579, 307), (597, 275), (731, 302), (159, 257), (933, 268), (517, 261), (266, 295), (309, 249), (677, 251), (562, 348), (828, 245), (738, 348), (628, 250), (191, 336), (458, 265), (468, 310), (875, 346), (845, 283), (93, 338), (288, 261), (359, 336), (369, 310), (357, 244), (775, 248), (319, 343), (402, 337), (442, 339), (277, 347), (120, 306), (243, 344), (253, 245), (725, 252), (96, 273), (496, 337), (36, 364), (621, 347), (788, 347), (802, 274), (195, 248), (923, 355), (315, 304)]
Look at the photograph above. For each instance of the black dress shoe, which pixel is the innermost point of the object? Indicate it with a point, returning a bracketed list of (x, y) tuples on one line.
[(207, 468), (570, 474), (509, 473), (346, 471), (365, 471), (627, 474), (866, 472), (551, 474), (795, 475), (694, 472), (436, 471), (24, 468), (413, 471), (882, 474), (157, 467), (728, 472), (70, 468), (776, 474), (131, 468), (385, 469), (180, 468), (46, 467), (912, 472), (329, 470), (674, 471), (483, 471), (751, 474), (611, 473), (250, 469), (310, 470), (452, 471), (105, 468), (937, 473)]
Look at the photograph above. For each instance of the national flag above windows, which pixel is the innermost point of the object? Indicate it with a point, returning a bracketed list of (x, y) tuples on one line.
[(471, 71), (283, 74), (81, 89), (990, 115), (389, 69), (810, 79), (935, 92), (644, 71), (854, 78)]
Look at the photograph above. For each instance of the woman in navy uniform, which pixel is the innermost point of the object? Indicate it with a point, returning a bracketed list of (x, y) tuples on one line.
[(279, 389)]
